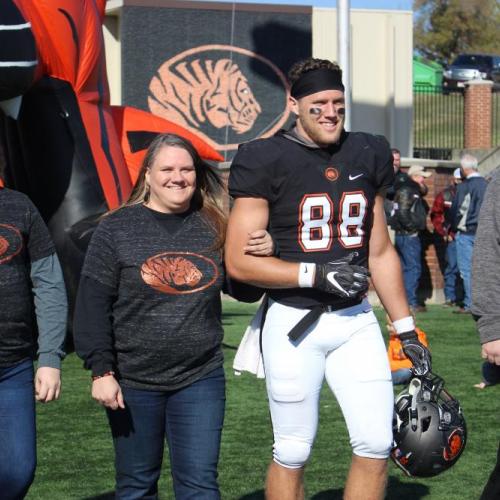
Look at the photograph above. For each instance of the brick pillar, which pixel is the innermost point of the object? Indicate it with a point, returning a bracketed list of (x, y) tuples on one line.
[(477, 114)]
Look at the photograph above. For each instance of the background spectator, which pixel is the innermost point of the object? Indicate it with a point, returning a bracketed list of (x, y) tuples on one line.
[(464, 219), (445, 238), (410, 214), (486, 299), (31, 286), (399, 178)]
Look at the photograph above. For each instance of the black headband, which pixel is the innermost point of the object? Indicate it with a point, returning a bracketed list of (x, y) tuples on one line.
[(316, 80)]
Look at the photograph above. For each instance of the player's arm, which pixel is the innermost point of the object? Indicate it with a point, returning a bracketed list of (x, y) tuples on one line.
[(51, 308), (385, 268), (249, 215), (387, 279), (335, 277)]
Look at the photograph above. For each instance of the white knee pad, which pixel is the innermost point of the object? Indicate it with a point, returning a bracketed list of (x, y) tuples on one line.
[(290, 453), (372, 444)]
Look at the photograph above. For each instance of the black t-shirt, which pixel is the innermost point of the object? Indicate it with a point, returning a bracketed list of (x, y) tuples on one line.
[(166, 317), (320, 200), (24, 238)]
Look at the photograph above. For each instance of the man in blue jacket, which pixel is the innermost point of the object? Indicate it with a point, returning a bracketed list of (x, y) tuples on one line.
[(464, 219)]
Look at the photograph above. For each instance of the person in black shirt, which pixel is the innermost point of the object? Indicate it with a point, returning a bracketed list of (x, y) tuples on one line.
[(148, 323), (399, 178), (409, 220), (32, 299), (321, 190)]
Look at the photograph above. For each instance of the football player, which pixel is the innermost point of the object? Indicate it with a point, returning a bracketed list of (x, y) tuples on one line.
[(321, 190)]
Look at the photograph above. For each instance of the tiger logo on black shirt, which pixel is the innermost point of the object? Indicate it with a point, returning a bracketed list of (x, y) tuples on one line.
[(11, 242), (179, 273)]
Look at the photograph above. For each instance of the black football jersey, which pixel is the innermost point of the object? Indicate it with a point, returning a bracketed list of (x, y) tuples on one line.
[(320, 201)]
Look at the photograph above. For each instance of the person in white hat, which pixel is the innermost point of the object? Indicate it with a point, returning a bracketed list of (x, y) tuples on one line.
[(445, 240), (409, 220)]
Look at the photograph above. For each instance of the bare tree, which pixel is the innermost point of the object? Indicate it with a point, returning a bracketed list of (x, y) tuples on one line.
[(445, 28)]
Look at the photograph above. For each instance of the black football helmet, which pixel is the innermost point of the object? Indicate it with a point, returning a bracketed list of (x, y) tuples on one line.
[(429, 428)]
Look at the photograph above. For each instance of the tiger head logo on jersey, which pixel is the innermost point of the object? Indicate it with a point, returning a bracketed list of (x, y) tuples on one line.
[(211, 91), (179, 273), (331, 173), (11, 242)]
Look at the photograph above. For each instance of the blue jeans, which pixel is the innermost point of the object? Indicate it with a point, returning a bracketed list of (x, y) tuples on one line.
[(491, 373), (465, 244), (451, 273), (17, 430), (492, 489), (401, 376), (409, 249), (191, 421)]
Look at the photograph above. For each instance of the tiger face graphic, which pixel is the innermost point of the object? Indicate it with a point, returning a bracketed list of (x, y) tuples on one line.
[(193, 93), (11, 242), (216, 91), (4, 245), (175, 273)]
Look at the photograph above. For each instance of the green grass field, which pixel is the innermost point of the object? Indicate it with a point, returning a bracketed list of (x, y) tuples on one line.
[(75, 458)]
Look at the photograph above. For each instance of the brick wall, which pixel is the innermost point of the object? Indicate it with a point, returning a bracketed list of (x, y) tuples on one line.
[(477, 115)]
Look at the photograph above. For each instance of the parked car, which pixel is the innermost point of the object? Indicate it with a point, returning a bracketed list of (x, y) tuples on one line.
[(471, 67)]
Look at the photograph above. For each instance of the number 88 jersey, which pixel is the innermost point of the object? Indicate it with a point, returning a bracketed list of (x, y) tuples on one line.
[(320, 200)]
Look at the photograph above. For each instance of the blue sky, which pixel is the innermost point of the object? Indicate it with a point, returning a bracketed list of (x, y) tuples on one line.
[(355, 4)]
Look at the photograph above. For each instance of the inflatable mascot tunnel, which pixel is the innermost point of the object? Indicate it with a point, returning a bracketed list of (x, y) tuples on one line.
[(61, 142)]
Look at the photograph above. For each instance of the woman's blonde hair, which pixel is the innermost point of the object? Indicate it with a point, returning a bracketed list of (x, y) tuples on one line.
[(207, 196)]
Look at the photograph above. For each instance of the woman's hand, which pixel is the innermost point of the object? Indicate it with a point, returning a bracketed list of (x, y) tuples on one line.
[(47, 384), (260, 243), (107, 392)]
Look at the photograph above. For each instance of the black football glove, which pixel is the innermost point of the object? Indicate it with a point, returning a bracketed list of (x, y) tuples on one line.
[(416, 352), (341, 278)]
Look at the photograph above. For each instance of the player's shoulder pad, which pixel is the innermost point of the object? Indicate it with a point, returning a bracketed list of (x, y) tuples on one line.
[(378, 143), (259, 152), (376, 146)]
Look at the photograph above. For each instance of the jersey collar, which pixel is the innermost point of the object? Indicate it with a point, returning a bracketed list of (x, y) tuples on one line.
[(292, 134)]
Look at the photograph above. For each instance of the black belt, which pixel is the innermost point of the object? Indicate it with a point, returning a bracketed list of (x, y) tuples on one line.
[(309, 319)]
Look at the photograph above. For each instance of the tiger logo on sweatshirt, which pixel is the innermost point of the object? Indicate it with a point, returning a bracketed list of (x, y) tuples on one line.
[(11, 242), (179, 273)]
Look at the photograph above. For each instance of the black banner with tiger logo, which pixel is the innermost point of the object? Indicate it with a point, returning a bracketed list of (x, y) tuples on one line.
[(218, 69)]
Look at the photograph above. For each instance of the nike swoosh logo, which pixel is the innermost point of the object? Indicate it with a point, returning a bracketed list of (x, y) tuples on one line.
[(352, 177), (331, 278)]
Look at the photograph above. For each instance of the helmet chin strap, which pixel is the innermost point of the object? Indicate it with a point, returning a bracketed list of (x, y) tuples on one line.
[(414, 388)]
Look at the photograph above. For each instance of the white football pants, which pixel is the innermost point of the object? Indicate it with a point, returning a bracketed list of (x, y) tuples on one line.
[(345, 347)]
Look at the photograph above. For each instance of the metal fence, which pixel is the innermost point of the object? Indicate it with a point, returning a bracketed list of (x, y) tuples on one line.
[(438, 123), (495, 119)]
